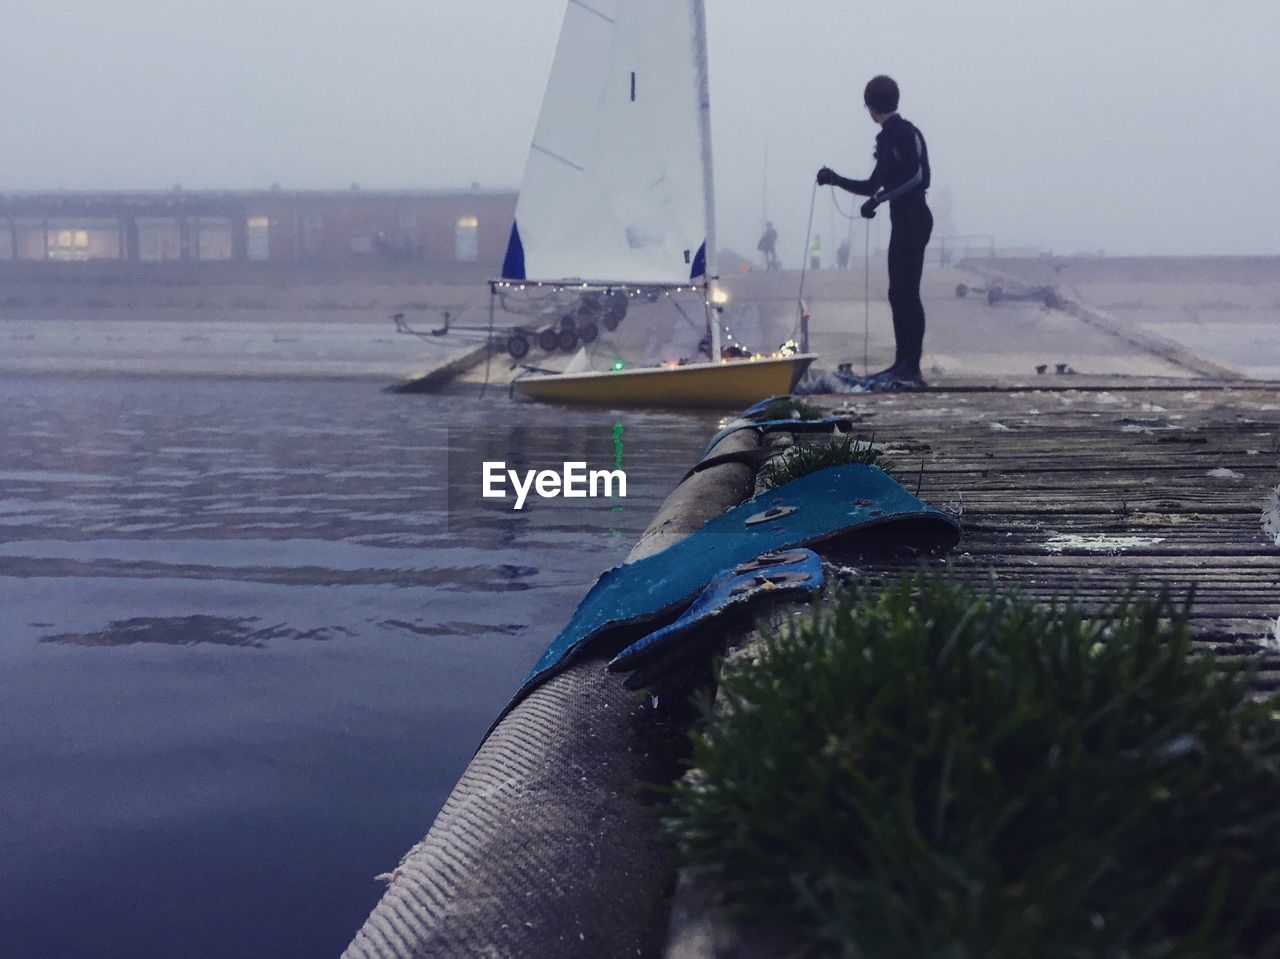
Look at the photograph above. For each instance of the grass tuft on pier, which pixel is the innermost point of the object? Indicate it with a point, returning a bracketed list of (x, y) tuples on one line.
[(800, 460), (930, 770)]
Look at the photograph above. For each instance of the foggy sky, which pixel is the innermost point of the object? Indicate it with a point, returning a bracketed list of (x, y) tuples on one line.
[(1130, 126)]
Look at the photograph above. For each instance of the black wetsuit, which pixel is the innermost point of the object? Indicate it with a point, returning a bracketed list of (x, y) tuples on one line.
[(901, 176)]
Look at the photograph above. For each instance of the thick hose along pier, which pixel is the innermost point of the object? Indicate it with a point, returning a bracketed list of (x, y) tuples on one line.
[(546, 847)]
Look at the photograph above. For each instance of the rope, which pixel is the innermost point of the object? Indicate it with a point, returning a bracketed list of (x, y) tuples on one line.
[(804, 262), (835, 198)]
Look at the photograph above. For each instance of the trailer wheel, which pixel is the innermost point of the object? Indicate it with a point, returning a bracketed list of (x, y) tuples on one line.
[(589, 331), (518, 346), (547, 339), (568, 340), (962, 290), (610, 322), (995, 295)]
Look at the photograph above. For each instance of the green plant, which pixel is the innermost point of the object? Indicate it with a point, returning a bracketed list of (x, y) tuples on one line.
[(800, 460), (933, 771)]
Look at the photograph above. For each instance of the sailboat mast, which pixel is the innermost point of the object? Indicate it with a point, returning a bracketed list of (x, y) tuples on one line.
[(699, 13), (764, 190)]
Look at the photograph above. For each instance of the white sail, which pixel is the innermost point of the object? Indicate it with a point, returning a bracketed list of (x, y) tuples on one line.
[(617, 185)]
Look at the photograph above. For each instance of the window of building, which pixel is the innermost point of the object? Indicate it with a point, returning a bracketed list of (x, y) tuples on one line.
[(72, 239), (68, 243), (312, 234), (408, 231), (258, 240), (32, 240), (158, 239), (466, 239), (212, 237)]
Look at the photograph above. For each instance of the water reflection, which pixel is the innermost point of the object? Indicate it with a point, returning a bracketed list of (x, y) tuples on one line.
[(254, 629), (192, 630)]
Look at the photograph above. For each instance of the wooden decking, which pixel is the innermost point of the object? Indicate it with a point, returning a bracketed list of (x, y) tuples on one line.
[(1083, 487)]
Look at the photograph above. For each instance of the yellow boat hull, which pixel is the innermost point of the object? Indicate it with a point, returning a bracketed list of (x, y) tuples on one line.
[(733, 383)]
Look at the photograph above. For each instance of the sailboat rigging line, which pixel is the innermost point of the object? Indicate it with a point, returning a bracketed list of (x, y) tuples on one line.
[(866, 281), (557, 156), (590, 9), (866, 297), (680, 310), (804, 262)]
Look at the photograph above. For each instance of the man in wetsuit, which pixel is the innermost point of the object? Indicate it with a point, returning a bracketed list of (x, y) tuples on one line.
[(900, 178)]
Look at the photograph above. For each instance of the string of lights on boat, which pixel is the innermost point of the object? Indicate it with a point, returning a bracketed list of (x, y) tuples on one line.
[(718, 296), (539, 293)]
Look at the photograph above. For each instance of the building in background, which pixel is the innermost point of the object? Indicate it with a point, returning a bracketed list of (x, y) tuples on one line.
[(434, 228)]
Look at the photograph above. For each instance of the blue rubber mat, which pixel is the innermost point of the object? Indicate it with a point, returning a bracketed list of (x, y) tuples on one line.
[(790, 573), (835, 502)]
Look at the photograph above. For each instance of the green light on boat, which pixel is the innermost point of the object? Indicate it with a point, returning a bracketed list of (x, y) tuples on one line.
[(618, 365)]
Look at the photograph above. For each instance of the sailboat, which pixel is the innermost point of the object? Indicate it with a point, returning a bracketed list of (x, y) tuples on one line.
[(618, 199)]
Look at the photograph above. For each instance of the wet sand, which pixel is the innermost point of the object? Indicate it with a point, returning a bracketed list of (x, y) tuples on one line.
[(1220, 309)]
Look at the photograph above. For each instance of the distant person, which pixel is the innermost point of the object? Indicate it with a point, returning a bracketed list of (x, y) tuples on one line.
[(768, 245), (900, 178), (815, 253), (842, 254)]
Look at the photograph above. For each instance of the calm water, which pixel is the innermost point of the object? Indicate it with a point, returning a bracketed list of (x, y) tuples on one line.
[(250, 634)]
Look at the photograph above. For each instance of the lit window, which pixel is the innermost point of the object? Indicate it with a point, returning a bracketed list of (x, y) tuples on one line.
[(69, 243), (466, 238)]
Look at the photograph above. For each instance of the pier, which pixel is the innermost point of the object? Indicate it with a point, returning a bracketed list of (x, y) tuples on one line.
[(1067, 487)]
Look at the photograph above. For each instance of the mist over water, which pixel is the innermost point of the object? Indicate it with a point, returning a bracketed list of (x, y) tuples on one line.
[(1146, 127), (250, 638)]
